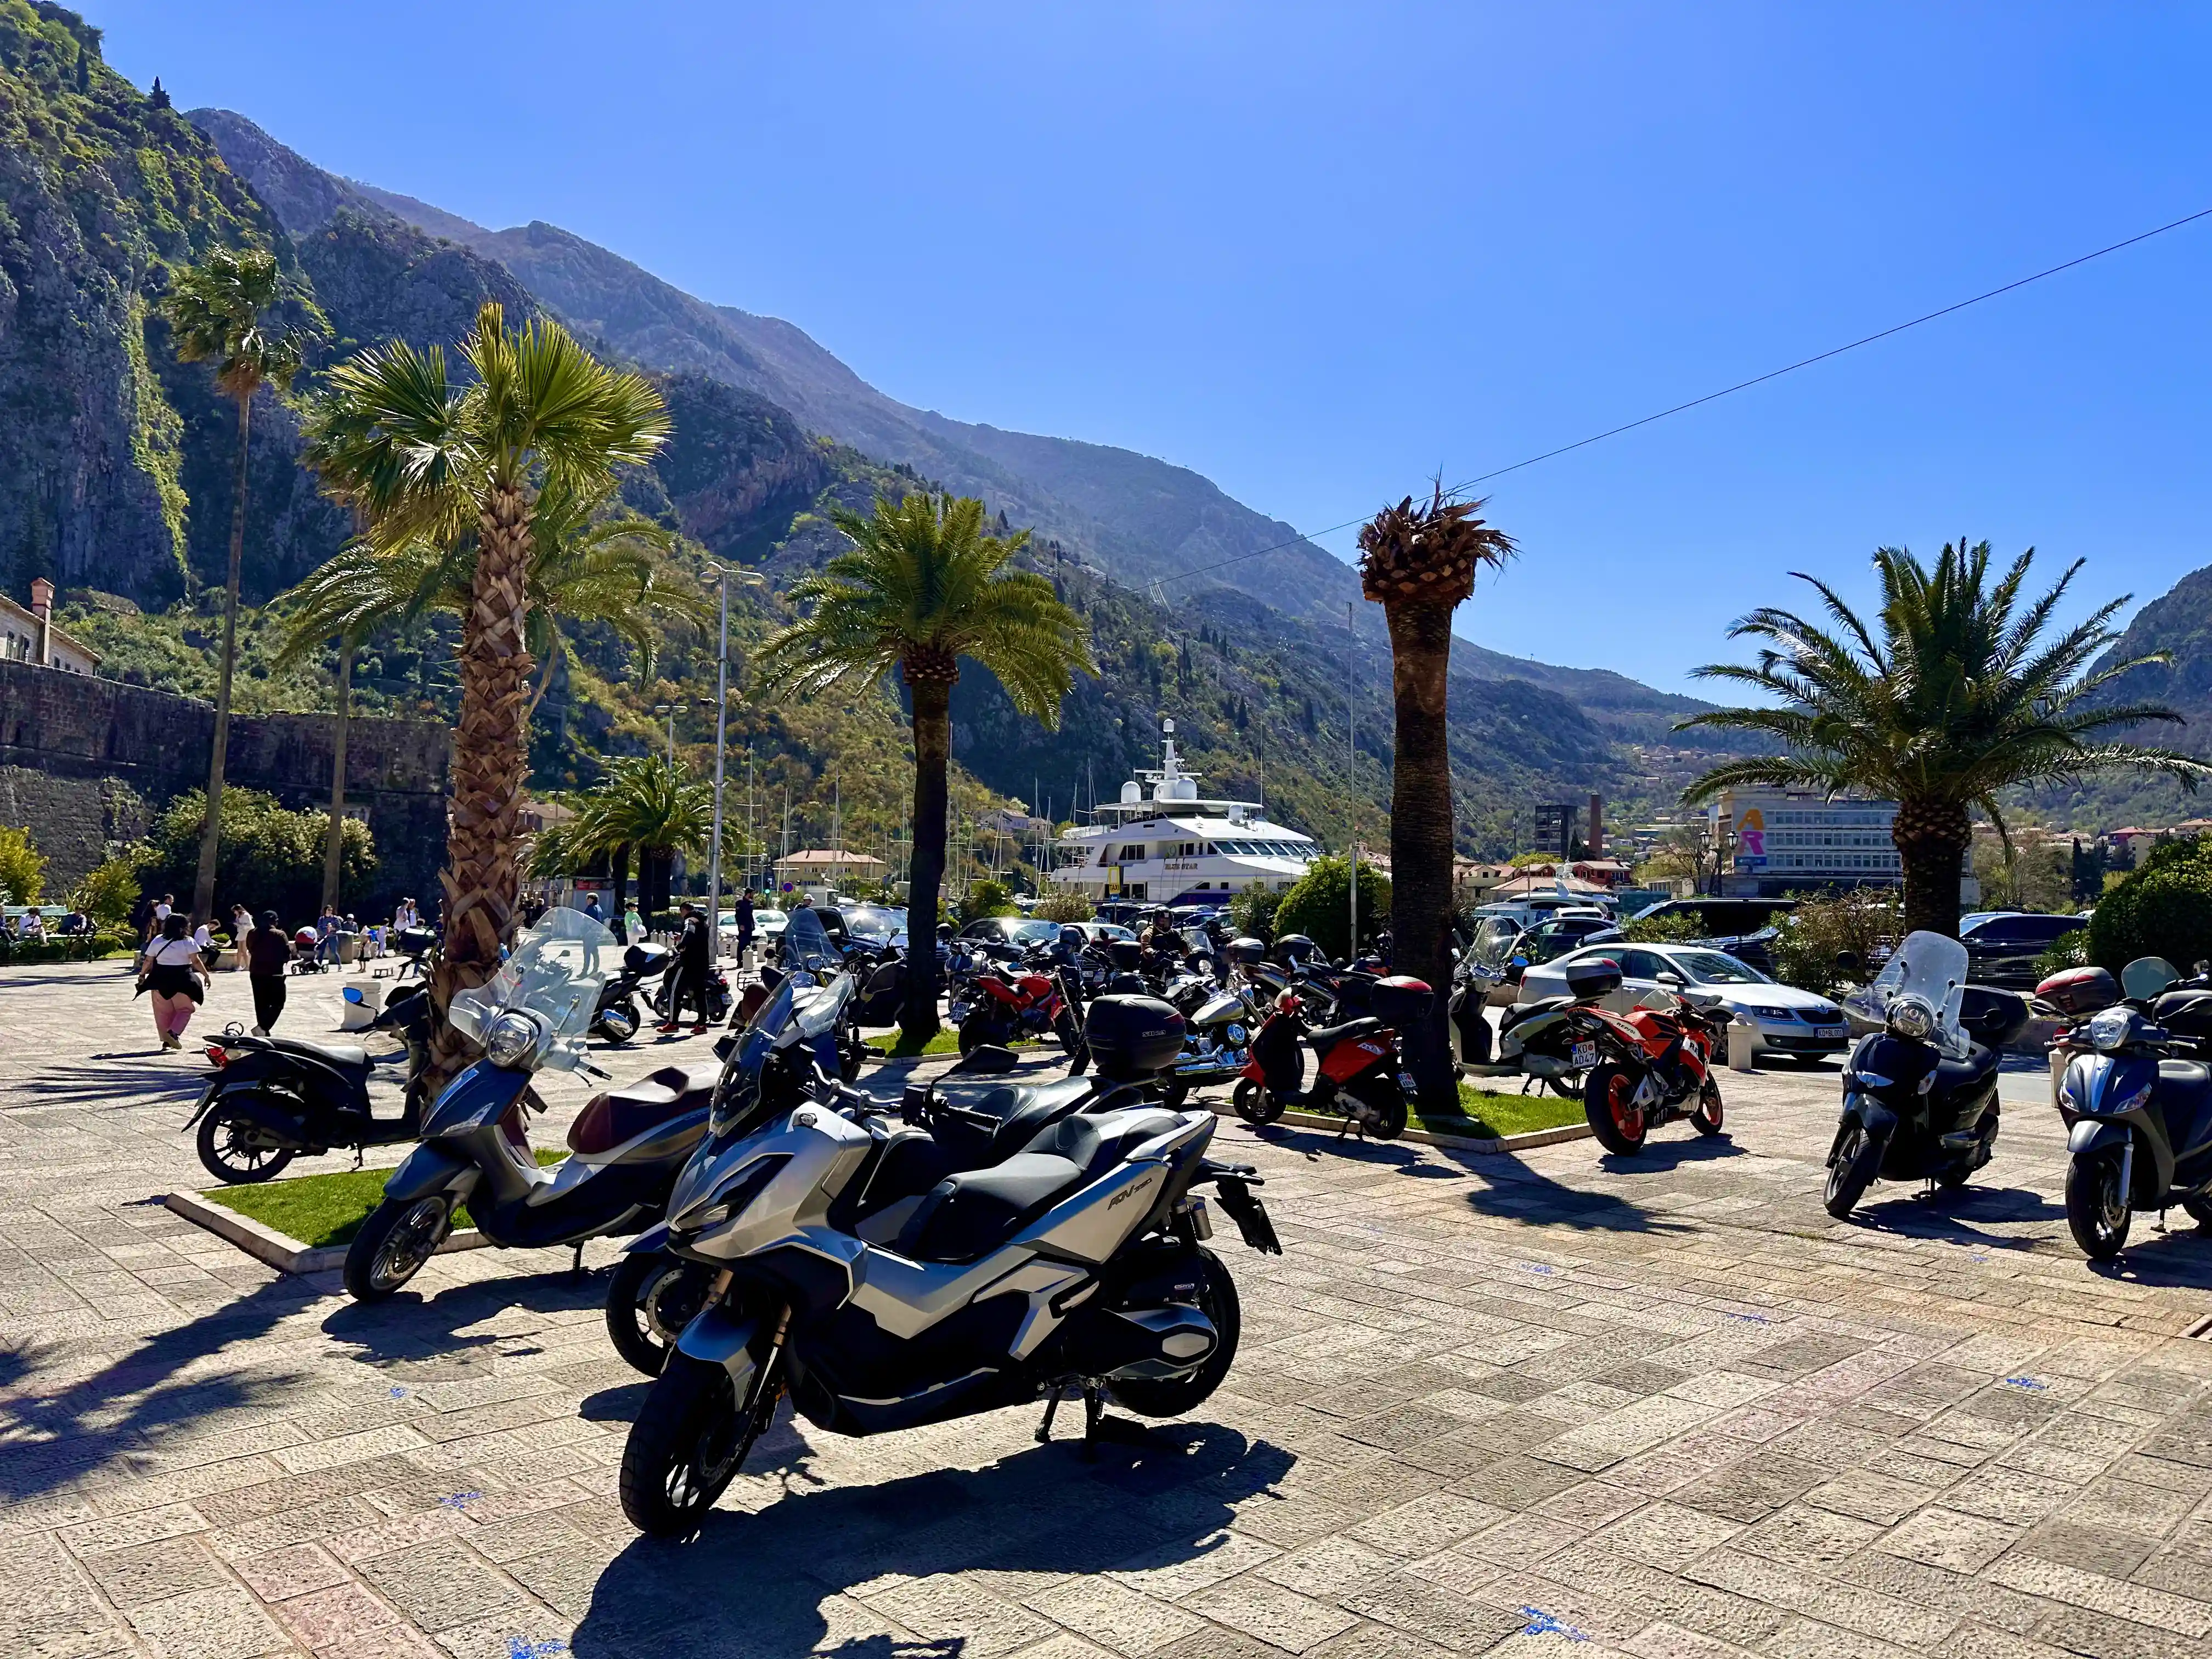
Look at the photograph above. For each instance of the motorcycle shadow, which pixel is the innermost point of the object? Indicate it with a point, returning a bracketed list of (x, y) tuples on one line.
[(2179, 1258), (1658, 1157), (772, 1581), (434, 1332), (1952, 1215)]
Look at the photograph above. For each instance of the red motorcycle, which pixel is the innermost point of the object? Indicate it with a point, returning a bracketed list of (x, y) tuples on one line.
[(1360, 1079), (1005, 1003), (1647, 1067)]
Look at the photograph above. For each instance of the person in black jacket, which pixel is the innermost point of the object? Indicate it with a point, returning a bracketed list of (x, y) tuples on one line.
[(692, 948)]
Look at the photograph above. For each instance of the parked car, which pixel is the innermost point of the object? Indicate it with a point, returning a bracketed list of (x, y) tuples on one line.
[(1011, 930), (1791, 1022), (2003, 950)]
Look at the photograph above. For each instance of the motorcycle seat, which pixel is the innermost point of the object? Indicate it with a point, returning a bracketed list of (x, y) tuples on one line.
[(623, 1114), (2183, 1084), (346, 1056), (1023, 1109), (1521, 1011), (1327, 1036)]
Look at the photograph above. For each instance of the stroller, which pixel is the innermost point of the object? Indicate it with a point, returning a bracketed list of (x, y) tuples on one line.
[(307, 953)]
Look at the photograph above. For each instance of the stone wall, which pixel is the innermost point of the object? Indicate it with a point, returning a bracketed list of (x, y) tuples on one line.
[(82, 760)]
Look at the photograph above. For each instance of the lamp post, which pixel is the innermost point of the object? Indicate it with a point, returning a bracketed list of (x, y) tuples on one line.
[(670, 709), (721, 575)]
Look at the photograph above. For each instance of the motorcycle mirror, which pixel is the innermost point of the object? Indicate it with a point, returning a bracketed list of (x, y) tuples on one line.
[(1847, 962), (726, 1046)]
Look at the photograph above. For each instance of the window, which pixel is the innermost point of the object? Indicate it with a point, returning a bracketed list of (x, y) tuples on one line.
[(1712, 968), (1640, 964)]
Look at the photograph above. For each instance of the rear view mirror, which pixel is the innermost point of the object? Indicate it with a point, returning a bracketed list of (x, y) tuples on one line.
[(1672, 981)]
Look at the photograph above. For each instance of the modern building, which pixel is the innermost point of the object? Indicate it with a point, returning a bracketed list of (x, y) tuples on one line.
[(33, 637), (1773, 841)]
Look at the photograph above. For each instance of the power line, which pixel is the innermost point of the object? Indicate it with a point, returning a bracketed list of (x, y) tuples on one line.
[(1711, 397)]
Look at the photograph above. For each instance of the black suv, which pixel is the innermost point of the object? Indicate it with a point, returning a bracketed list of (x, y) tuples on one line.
[(2005, 949)]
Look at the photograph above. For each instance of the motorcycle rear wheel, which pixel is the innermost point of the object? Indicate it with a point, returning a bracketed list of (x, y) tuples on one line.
[(1172, 1396), (226, 1154), (394, 1243), (1609, 1103), (690, 1439), (1254, 1103), (977, 1031), (2097, 1213), (1386, 1105), (1706, 1119), (651, 1300), (618, 1022), (2199, 1210)]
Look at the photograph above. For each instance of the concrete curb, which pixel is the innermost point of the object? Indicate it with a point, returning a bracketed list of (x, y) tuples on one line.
[(1498, 1146), (285, 1254)]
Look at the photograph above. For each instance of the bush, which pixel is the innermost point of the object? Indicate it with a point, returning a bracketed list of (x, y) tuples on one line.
[(1319, 906), (76, 947), (2067, 951), (1252, 913), (1676, 929), (988, 898), (270, 858), (108, 894), (1063, 904), (2163, 910), (22, 868), (1865, 922)]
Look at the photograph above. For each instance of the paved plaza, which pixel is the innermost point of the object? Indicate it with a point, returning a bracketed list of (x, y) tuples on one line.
[(1552, 1403)]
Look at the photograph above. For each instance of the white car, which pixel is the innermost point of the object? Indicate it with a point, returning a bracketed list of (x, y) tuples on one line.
[(1791, 1022)]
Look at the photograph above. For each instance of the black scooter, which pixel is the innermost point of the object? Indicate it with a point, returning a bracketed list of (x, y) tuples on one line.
[(1920, 1096), (617, 1016), (272, 1098), (2138, 1105)]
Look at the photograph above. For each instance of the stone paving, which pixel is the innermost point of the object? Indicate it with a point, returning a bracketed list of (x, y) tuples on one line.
[(1555, 1403)]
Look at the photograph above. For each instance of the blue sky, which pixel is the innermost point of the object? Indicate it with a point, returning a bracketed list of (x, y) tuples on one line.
[(1319, 252)]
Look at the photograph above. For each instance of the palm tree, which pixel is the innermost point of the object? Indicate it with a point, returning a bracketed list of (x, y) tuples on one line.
[(220, 310), (1417, 562), (922, 588), (647, 806), (425, 458), (1952, 694)]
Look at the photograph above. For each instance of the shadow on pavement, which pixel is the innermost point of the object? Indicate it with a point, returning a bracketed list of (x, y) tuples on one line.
[(48, 1440), (2178, 1260), (1659, 1156), (434, 1332), (144, 1077), (756, 1582), (1953, 1215), (1512, 1187)]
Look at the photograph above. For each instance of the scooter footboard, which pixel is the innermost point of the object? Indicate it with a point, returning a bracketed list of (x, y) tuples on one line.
[(723, 1336)]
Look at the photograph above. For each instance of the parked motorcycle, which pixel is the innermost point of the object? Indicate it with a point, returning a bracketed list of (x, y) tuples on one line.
[(1646, 1068), (1920, 1095), (718, 990), (618, 1016), (627, 1145), (1549, 1042), (272, 1098), (1077, 1264), (2138, 1109), (1219, 1047), (1028, 1001), (1360, 1076)]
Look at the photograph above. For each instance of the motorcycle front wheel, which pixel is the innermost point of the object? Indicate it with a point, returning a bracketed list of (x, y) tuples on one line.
[(685, 1447), (2097, 1213), (979, 1031), (235, 1149), (652, 1298), (1609, 1103), (1254, 1103), (1857, 1160), (399, 1236), (1706, 1119), (1172, 1396)]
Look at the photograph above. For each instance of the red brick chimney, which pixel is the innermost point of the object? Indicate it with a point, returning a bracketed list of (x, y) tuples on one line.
[(1597, 826), (42, 607)]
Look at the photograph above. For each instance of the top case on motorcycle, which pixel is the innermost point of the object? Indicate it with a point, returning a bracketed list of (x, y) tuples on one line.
[(970, 1214), (623, 1114)]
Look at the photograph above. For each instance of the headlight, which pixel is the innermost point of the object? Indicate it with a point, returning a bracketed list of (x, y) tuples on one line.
[(730, 1203), (2109, 1030), (1772, 1013), (512, 1042), (1910, 1017)]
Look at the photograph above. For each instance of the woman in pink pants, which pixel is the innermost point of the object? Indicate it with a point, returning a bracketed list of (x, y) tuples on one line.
[(173, 970)]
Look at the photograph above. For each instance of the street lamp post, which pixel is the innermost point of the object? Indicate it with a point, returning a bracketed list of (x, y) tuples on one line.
[(722, 574), (670, 709)]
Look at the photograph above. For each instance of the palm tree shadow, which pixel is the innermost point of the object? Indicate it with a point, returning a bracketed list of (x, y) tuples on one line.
[(1041, 1510), (432, 1334), (1514, 1188), (128, 1078)]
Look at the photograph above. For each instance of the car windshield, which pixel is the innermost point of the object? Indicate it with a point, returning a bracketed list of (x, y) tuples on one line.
[(554, 971), (1028, 933), (1712, 968), (871, 921)]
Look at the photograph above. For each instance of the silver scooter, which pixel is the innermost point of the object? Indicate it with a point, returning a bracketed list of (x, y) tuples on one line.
[(1075, 1264)]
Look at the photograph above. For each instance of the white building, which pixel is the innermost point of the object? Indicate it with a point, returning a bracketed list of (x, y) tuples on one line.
[(33, 637), (1770, 841), (1163, 842)]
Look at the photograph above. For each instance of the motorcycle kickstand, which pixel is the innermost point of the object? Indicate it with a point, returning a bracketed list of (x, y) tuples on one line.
[(1051, 1406), (576, 1266), (1094, 1411)]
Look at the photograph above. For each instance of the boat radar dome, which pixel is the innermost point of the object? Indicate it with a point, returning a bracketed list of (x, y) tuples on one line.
[(1132, 792)]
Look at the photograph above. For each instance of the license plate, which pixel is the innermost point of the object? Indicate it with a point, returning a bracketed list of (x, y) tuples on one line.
[(1831, 1030), (1584, 1056)]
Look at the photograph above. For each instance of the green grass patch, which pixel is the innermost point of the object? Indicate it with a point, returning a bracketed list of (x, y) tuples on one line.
[(944, 1041), (1486, 1114), (326, 1209)]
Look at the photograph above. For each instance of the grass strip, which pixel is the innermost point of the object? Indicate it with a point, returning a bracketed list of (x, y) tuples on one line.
[(1485, 1114), (326, 1209)]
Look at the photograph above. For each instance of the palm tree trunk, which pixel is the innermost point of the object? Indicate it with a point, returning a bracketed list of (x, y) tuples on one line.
[(1931, 840), (219, 756), (932, 755), (1421, 836), (481, 881), (619, 863), (337, 842)]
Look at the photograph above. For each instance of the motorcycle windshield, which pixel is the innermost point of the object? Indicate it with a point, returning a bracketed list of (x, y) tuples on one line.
[(1933, 969), (807, 943), (2145, 976), (554, 971)]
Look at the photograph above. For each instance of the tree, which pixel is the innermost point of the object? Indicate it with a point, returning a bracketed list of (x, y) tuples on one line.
[(1417, 563), (220, 312), (22, 866), (647, 806), (1319, 905), (272, 857), (109, 892), (425, 458), (2162, 908), (922, 588), (1952, 693)]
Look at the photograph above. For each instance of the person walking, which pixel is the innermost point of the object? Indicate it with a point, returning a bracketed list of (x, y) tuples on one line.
[(633, 926), (266, 951), (241, 924), (591, 909), (691, 962), (162, 905), (327, 935), (171, 967)]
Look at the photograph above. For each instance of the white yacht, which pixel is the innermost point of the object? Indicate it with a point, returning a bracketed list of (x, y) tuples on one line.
[(1164, 843)]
